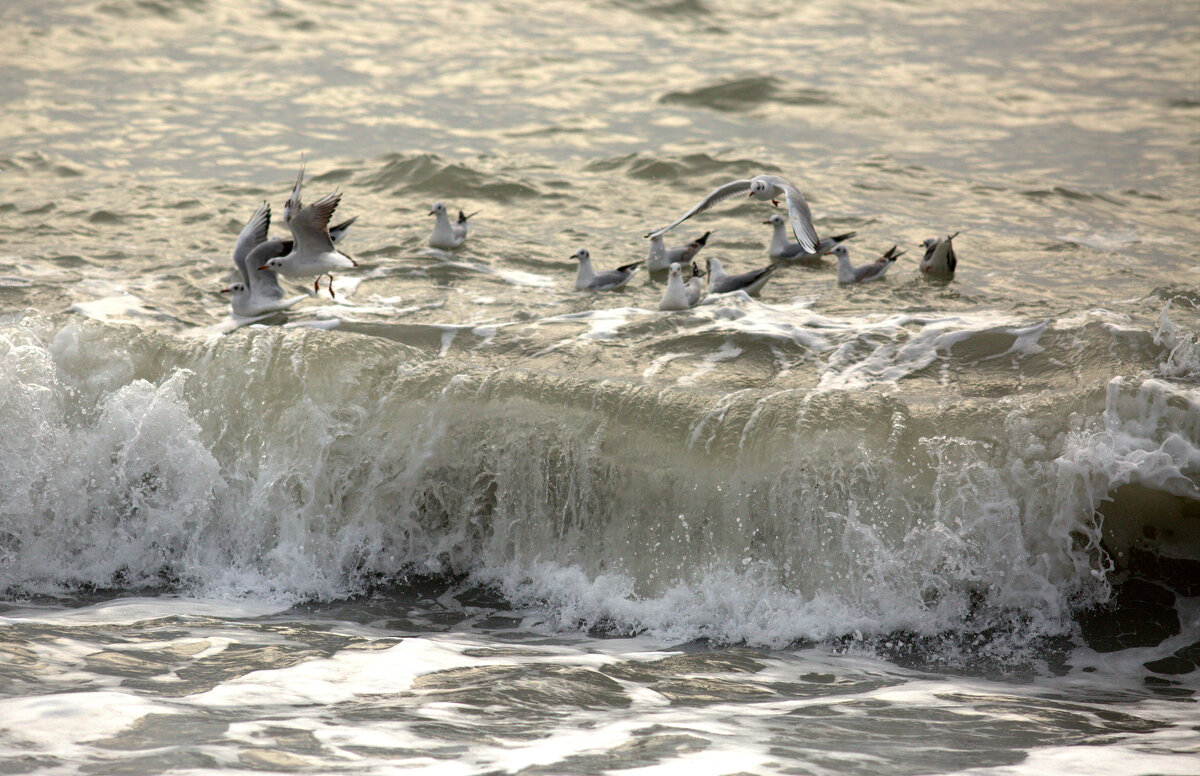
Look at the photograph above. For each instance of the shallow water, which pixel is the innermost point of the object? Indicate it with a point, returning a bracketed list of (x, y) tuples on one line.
[(464, 519)]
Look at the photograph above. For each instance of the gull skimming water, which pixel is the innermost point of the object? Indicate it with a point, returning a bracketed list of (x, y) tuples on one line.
[(259, 292), (313, 252), (767, 188)]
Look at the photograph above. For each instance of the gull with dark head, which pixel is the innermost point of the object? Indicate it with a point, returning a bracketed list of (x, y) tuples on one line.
[(258, 292), (751, 282), (939, 259), (766, 188), (312, 251), (680, 295), (783, 249), (446, 235), (586, 279), (847, 273), (661, 257)]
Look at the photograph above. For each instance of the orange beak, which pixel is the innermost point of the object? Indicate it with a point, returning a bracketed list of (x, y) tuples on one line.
[(226, 290)]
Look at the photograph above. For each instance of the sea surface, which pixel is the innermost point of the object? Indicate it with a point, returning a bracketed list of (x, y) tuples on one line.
[(464, 519)]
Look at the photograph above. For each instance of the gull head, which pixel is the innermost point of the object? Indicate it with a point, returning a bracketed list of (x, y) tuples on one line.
[(760, 189), (674, 271), (235, 289), (438, 208), (581, 255), (842, 252), (930, 242), (273, 264), (713, 265), (775, 220)]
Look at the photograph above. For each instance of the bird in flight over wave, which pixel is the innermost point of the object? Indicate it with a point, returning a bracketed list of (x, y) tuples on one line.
[(313, 252), (848, 273), (766, 188), (448, 235), (783, 249), (258, 292), (940, 259), (587, 279)]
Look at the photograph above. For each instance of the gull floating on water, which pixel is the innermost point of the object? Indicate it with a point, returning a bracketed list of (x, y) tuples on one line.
[(610, 280), (445, 234), (661, 257), (847, 273), (680, 295), (313, 252), (751, 282), (783, 249), (259, 292), (939, 256), (767, 188)]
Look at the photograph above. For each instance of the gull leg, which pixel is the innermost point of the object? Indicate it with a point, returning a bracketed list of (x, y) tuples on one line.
[(317, 285), (331, 294)]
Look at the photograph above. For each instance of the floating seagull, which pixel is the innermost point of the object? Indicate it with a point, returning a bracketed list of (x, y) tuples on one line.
[(873, 271), (445, 234), (751, 282), (783, 249), (680, 295), (767, 188), (662, 257), (587, 279), (259, 292), (939, 256), (313, 252)]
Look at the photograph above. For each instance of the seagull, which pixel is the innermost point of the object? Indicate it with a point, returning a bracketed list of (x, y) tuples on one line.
[(783, 249), (445, 234), (680, 295), (873, 271), (939, 256), (662, 257), (767, 188), (259, 292), (587, 279), (313, 252), (751, 282)]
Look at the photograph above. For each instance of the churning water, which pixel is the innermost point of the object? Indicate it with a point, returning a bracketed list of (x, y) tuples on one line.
[(464, 519)]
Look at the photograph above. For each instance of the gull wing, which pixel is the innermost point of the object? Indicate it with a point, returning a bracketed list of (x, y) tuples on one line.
[(263, 283), (293, 205), (728, 191), (253, 234), (310, 226), (799, 215)]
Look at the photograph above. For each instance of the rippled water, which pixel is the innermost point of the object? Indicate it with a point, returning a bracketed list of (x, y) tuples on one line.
[(464, 519)]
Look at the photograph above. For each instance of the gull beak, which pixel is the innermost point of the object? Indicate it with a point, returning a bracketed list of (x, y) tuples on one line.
[(432, 212), (775, 203), (766, 222), (226, 290), (264, 267)]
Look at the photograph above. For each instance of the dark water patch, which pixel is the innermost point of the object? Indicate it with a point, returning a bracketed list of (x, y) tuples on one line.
[(428, 174), (674, 9), (688, 167), (742, 94), (1140, 614), (647, 747), (161, 9), (1183, 661), (38, 162), (1184, 103), (106, 217)]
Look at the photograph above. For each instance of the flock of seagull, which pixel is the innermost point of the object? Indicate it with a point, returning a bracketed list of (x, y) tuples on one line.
[(312, 250)]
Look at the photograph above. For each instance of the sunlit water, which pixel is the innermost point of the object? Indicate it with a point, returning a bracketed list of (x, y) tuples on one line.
[(464, 519)]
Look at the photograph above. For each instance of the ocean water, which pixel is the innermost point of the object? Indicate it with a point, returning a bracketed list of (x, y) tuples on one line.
[(463, 519)]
